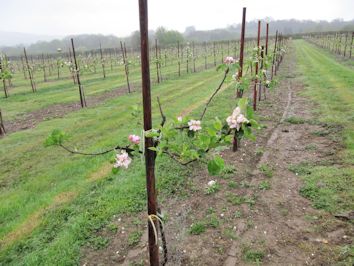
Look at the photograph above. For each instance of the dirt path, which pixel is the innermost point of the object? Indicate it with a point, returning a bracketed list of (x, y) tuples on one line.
[(257, 215)]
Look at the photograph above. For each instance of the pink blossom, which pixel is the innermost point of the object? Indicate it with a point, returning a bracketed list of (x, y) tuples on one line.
[(242, 119), (194, 125), (236, 119), (180, 118), (134, 139), (232, 121), (229, 60), (236, 112), (122, 160)]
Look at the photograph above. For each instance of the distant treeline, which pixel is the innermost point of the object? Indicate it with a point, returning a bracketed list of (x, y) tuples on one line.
[(166, 37)]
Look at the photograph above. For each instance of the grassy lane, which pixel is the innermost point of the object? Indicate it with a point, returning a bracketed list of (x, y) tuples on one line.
[(331, 85), (50, 200), (22, 100)]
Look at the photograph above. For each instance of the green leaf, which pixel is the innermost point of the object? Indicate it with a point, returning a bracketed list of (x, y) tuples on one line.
[(151, 133), (228, 139), (211, 131), (217, 124), (115, 170), (221, 67), (55, 138), (216, 165)]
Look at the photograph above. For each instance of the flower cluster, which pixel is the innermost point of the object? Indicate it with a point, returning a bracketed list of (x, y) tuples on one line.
[(236, 119), (134, 139), (194, 125), (229, 60), (211, 183), (122, 160)]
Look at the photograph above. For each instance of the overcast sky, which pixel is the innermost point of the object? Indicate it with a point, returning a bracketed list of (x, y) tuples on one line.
[(120, 17)]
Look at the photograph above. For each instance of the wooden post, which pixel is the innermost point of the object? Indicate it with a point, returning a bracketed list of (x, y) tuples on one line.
[(73, 76), (2, 127), (222, 53), (267, 36), (205, 56), (239, 93), (351, 46), (81, 90), (157, 62), (44, 72), (33, 85), (274, 53), (3, 80), (102, 62), (262, 77), (160, 61), (256, 70), (125, 64), (340, 43), (214, 53), (110, 59), (149, 154), (179, 62), (50, 65), (193, 52)]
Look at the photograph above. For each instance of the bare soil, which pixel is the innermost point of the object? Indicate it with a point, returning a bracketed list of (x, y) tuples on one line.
[(244, 221)]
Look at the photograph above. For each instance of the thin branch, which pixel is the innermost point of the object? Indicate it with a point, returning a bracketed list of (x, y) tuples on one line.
[(161, 112), (182, 127), (175, 157), (215, 92), (126, 148)]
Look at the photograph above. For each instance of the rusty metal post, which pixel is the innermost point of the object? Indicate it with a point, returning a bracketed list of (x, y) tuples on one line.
[(242, 47), (351, 46), (179, 62), (102, 62), (263, 76), (149, 154), (3, 81), (256, 70), (193, 52), (205, 55), (125, 64), (157, 62), (73, 76), (2, 127), (33, 85), (275, 49), (81, 92), (267, 36), (44, 72), (214, 53), (239, 93)]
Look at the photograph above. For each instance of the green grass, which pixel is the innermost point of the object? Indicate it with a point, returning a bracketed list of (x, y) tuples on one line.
[(252, 255), (295, 120), (330, 84), (59, 91), (134, 238), (32, 176), (197, 228), (266, 170)]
